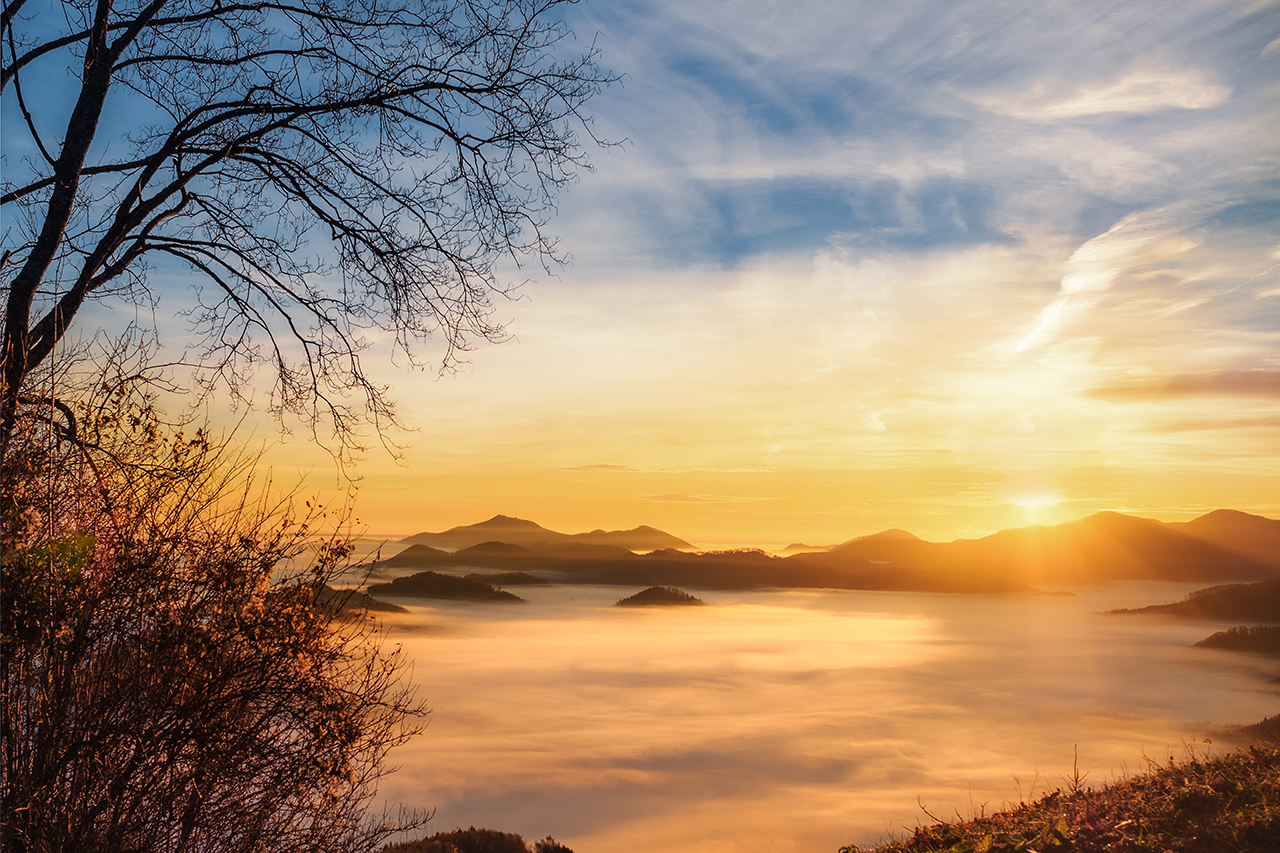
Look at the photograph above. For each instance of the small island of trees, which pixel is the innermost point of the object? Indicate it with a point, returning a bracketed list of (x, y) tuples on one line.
[(659, 596)]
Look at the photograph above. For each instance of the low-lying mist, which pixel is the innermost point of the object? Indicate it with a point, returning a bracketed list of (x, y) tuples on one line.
[(794, 721)]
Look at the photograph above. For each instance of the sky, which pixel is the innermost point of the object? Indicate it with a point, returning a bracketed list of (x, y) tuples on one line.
[(948, 267), (942, 266)]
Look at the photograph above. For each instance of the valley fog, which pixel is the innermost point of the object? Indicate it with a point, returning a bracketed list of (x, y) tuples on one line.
[(797, 720)]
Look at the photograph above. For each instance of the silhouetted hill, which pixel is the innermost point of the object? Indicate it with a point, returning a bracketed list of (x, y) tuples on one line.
[(476, 841), (436, 585), (518, 531), (414, 555), (798, 547), (495, 549), (1253, 602), (660, 596), (1104, 546), (642, 538), (1262, 639), (1250, 535)]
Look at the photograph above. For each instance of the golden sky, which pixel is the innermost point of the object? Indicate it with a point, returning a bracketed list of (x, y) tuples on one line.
[(949, 268)]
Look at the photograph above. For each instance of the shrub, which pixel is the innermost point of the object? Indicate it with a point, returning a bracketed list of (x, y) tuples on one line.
[(169, 682)]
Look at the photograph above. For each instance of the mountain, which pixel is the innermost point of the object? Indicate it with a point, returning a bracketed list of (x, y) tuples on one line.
[(1238, 532), (1104, 546), (414, 555), (741, 569), (642, 538), (800, 547), (529, 534)]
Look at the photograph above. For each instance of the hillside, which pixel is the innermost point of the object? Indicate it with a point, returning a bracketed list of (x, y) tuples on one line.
[(1202, 805), (436, 585), (660, 596), (1252, 602), (1260, 639), (1104, 546), (1239, 532)]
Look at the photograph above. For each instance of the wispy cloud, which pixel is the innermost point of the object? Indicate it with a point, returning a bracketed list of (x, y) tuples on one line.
[(1136, 91), (1225, 383)]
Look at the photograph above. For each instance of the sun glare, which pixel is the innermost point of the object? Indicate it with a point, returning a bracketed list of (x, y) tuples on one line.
[(1035, 500)]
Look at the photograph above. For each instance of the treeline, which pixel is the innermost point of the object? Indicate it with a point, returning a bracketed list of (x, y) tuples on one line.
[(474, 840)]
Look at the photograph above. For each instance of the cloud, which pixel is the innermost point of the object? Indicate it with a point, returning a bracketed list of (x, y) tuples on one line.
[(1141, 91), (1221, 383), (600, 468)]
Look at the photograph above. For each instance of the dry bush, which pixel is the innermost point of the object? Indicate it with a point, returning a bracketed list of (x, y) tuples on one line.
[(168, 683)]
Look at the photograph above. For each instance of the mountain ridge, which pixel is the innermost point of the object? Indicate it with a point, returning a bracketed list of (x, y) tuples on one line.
[(525, 533)]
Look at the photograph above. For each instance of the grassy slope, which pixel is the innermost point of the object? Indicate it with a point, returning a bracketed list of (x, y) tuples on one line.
[(1203, 805)]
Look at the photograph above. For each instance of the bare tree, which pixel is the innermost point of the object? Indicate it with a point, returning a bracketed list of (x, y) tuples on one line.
[(318, 167), (174, 677)]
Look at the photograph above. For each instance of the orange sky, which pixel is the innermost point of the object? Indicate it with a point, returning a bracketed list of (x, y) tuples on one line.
[(822, 403)]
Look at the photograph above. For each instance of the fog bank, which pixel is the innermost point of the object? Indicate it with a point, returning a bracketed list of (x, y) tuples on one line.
[(793, 721)]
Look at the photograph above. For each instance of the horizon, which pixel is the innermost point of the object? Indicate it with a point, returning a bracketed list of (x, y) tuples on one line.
[(387, 537)]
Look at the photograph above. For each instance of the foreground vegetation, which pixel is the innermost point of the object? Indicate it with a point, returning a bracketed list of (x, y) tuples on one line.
[(1200, 805), (177, 672)]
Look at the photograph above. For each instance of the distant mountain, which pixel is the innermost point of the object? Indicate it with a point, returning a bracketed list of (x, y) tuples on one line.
[(1223, 546), (1104, 546), (414, 555), (1239, 532), (642, 538), (743, 569), (529, 534), (800, 547)]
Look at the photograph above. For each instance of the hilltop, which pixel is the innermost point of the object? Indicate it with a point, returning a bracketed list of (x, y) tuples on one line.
[(660, 596), (518, 531), (1104, 546)]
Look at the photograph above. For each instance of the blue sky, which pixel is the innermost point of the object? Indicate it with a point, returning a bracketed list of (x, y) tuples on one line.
[(759, 128)]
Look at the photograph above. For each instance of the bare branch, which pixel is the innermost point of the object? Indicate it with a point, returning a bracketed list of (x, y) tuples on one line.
[(345, 165)]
